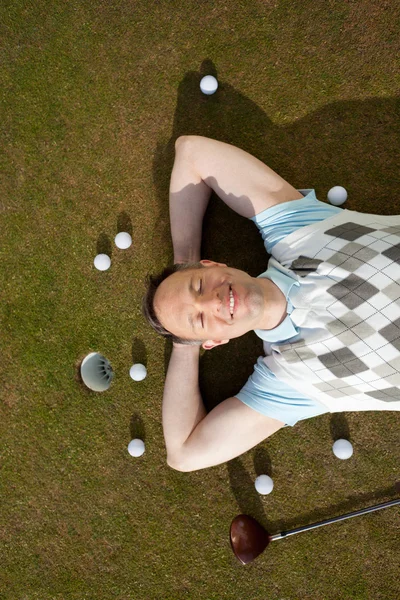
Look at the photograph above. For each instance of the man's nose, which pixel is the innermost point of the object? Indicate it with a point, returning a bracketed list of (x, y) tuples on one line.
[(210, 301)]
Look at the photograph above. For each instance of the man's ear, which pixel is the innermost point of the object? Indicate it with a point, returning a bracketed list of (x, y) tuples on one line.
[(210, 344), (211, 263)]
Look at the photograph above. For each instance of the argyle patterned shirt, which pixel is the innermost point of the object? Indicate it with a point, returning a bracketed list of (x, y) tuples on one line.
[(347, 312)]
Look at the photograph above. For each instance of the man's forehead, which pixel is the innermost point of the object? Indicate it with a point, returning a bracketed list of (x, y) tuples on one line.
[(174, 287), (179, 278), (172, 301)]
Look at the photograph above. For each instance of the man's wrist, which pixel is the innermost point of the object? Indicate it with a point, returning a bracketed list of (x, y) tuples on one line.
[(188, 259), (189, 347)]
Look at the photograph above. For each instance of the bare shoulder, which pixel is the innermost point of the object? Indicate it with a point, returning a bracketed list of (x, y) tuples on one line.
[(241, 180)]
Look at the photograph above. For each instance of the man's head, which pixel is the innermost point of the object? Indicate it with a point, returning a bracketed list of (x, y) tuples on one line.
[(191, 303)]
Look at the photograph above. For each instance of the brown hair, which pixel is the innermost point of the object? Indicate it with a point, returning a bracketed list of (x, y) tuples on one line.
[(152, 282)]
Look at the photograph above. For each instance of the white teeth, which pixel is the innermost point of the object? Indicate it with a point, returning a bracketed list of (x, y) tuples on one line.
[(231, 302)]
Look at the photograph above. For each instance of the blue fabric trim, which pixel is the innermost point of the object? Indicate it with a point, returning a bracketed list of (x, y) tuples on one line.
[(277, 222), (286, 329), (267, 395)]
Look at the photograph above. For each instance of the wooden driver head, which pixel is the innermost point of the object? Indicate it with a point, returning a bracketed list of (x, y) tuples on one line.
[(248, 538)]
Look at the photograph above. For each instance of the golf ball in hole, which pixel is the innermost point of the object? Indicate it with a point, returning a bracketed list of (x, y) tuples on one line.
[(136, 447), (102, 262), (208, 85), (342, 449), (264, 484), (123, 240), (337, 195), (138, 372)]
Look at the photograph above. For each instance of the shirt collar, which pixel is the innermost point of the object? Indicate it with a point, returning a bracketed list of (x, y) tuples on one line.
[(285, 283)]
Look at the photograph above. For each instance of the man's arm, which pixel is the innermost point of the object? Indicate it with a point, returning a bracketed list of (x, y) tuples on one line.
[(183, 406), (188, 200), (241, 180), (197, 440)]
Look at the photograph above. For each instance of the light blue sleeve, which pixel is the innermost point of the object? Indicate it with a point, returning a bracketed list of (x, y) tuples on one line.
[(277, 222), (267, 395)]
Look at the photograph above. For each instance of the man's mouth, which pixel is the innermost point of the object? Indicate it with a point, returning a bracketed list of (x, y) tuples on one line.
[(231, 302)]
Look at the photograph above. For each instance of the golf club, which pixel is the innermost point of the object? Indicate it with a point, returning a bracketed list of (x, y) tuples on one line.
[(249, 538)]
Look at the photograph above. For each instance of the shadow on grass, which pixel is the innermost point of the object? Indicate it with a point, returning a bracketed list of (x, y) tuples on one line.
[(124, 223), (262, 462), (353, 503), (104, 245), (139, 352), (353, 143), (243, 489), (350, 143), (136, 427), (339, 427)]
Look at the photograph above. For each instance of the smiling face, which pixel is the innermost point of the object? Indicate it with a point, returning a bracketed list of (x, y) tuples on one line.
[(195, 304)]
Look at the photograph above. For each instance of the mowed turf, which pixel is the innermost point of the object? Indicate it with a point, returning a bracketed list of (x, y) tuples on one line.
[(94, 95)]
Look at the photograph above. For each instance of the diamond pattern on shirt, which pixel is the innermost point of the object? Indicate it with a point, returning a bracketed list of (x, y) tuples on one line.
[(363, 354), (359, 289), (304, 265), (349, 231), (343, 362), (391, 394), (393, 253)]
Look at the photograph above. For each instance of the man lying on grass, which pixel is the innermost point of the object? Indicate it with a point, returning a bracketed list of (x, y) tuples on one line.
[(327, 307)]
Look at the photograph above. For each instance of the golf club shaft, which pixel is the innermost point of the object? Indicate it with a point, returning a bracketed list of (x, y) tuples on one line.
[(363, 511)]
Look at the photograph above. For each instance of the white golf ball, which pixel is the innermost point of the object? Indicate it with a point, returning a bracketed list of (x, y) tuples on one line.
[(123, 240), (102, 262), (337, 195), (138, 372), (264, 484), (342, 449), (208, 85), (136, 447)]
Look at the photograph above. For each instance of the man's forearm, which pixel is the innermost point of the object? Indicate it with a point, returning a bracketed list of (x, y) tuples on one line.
[(183, 406), (188, 201)]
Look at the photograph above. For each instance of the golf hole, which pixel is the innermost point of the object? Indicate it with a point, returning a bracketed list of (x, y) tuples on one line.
[(95, 372)]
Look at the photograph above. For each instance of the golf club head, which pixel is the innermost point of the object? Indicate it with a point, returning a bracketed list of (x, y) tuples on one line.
[(248, 538)]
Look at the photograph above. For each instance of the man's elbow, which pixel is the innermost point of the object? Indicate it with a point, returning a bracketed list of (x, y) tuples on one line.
[(182, 141), (179, 463), (186, 143)]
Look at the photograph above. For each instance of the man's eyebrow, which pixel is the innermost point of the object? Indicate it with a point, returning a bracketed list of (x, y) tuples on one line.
[(191, 322), (190, 318)]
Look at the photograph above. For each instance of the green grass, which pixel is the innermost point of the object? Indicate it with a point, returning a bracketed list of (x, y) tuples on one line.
[(94, 95)]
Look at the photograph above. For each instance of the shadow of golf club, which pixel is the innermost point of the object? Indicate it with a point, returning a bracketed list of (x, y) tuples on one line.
[(353, 503)]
